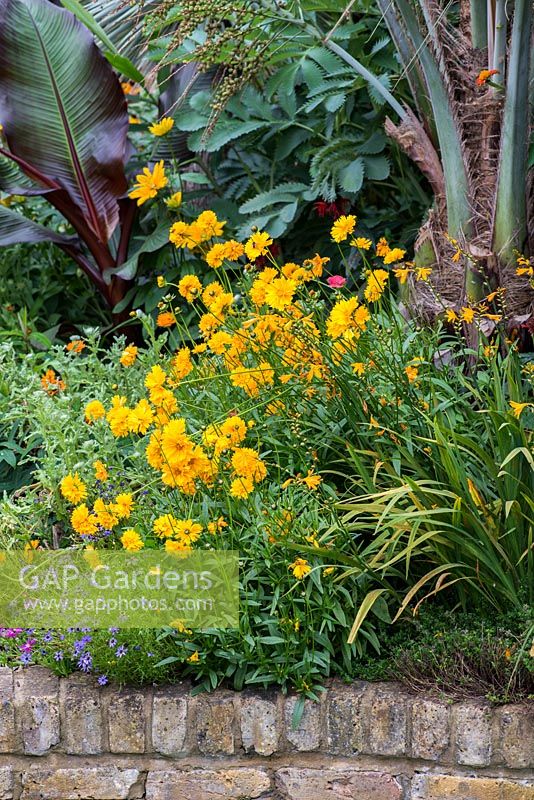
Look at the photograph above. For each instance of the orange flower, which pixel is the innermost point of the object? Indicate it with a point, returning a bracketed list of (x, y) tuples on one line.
[(52, 383), (484, 74), (76, 346), (166, 319)]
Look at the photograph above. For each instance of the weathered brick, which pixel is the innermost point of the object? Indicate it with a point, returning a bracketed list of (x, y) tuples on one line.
[(516, 736), (126, 722), (84, 783), (334, 784), (473, 733), (259, 723), (447, 787), (386, 711), (204, 784), (37, 709), (6, 783), (82, 725), (343, 718), (430, 729), (169, 721), (215, 719), (9, 742), (307, 735)]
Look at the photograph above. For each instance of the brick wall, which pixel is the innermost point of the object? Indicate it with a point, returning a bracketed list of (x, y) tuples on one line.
[(69, 739)]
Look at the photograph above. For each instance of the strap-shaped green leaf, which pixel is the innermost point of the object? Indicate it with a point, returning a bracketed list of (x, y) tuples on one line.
[(62, 107)]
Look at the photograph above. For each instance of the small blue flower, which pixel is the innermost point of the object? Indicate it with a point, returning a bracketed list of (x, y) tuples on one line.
[(85, 662), (58, 655), (103, 680), (121, 651)]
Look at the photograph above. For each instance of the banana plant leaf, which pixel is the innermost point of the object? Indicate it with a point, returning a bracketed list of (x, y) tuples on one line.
[(62, 109), (16, 229)]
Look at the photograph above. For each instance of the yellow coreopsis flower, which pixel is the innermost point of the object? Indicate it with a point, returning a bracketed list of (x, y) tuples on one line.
[(94, 410), (131, 541), (361, 242), (257, 245), (128, 355), (73, 488), (148, 183), (343, 227), (300, 568), (82, 521), (190, 287), (395, 254), (162, 127), (101, 473)]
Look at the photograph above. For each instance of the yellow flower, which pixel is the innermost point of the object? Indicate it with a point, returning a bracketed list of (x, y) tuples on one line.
[(73, 488), (82, 521), (402, 273), (393, 255), (190, 287), (361, 242), (279, 293), (194, 658), (382, 247), (234, 429), (241, 488), (101, 473), (180, 235), (105, 515), (207, 225), (94, 410), (423, 273), (247, 463), (376, 283), (451, 315), (166, 319), (233, 250), (123, 505), (358, 367), (347, 315), (174, 201), (175, 546), (311, 480), (468, 315), (118, 418), (216, 255), (162, 127), (149, 183), (181, 364), (257, 245), (518, 408), (128, 355), (343, 227), (156, 378), (131, 541), (411, 373), (164, 527), (300, 568)]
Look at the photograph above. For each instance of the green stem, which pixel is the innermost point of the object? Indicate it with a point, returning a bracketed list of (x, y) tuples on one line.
[(479, 24)]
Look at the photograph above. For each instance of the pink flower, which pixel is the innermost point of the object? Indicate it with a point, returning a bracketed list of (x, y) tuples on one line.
[(336, 281)]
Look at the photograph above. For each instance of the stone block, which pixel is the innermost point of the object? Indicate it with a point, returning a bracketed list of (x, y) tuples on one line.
[(472, 722), (447, 787), (344, 733), (9, 741), (430, 729), (386, 711), (37, 709), (516, 736), (6, 783), (206, 784), (215, 719), (259, 723), (307, 735), (169, 721), (82, 724), (336, 784), (84, 783), (126, 722)]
